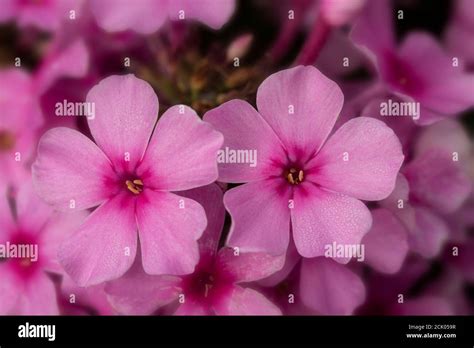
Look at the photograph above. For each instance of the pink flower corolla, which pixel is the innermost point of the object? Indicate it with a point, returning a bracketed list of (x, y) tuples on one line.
[(385, 290), (215, 285), (129, 173), (20, 121), (319, 286), (35, 232), (46, 15), (302, 179), (76, 300), (147, 16), (459, 35), (386, 244), (418, 70)]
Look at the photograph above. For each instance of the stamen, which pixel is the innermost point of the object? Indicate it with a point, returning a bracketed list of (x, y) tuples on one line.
[(135, 186), (295, 176), (208, 287)]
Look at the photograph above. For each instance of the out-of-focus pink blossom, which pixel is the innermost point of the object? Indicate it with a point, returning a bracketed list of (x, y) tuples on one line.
[(302, 178), (417, 70), (20, 121), (25, 286), (46, 15), (339, 12), (130, 173), (147, 16)]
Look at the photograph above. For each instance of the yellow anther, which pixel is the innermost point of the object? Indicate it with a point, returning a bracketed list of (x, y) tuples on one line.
[(135, 186)]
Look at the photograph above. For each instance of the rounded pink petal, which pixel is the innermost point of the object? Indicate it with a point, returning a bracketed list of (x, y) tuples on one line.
[(104, 247), (429, 233), (169, 227), (361, 160), (244, 129), (151, 293), (210, 197), (32, 212), (38, 297), (329, 287), (60, 175), (447, 135), (71, 61), (192, 307), (292, 257), (249, 267), (339, 12), (386, 244), (437, 181), (9, 287), (246, 302), (377, 17), (213, 13), (182, 152), (126, 109), (59, 227), (321, 218), (260, 217), (142, 16), (449, 90), (301, 105)]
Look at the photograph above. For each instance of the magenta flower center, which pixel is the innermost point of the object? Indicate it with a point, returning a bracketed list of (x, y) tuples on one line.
[(135, 186), (23, 267), (403, 76), (7, 140)]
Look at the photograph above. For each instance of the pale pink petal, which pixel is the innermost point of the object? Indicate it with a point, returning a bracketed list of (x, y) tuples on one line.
[(244, 129), (32, 212), (339, 12), (301, 105), (429, 235), (38, 297), (126, 109), (6, 214), (182, 152), (104, 247), (447, 135), (9, 10), (377, 17), (329, 287), (142, 16), (246, 302), (249, 267), (211, 199), (169, 227), (137, 293), (71, 61), (92, 298), (260, 217), (446, 92), (8, 288), (437, 181), (361, 159), (213, 13), (292, 258), (386, 244), (320, 218), (60, 175)]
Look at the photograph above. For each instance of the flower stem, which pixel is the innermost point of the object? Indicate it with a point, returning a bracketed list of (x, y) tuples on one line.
[(315, 42)]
